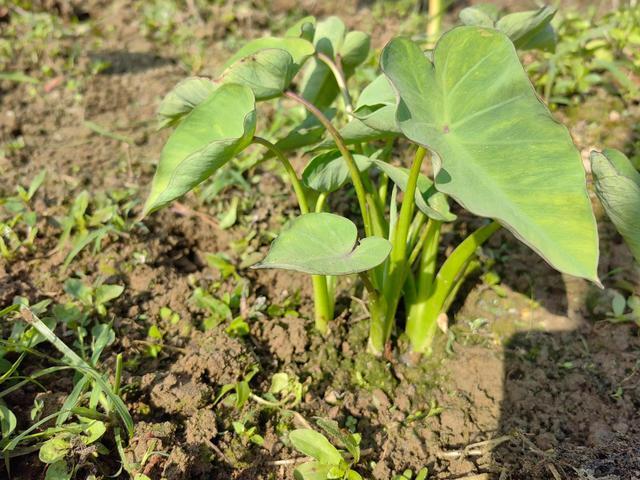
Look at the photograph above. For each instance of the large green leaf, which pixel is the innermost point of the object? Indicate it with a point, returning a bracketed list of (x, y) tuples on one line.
[(324, 244), (184, 97), (328, 172), (206, 139), (617, 185), (499, 151), (315, 445), (430, 202)]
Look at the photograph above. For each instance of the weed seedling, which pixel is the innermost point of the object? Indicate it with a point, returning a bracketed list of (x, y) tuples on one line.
[(408, 475), (18, 228), (328, 462), (64, 444)]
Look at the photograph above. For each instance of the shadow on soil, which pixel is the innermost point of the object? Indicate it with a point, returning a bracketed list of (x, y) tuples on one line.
[(122, 61), (571, 403)]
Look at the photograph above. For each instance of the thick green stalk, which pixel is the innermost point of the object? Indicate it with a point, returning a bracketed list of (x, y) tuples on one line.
[(428, 260), (398, 265), (323, 302), (430, 240), (434, 292), (346, 154), (320, 202), (472, 265), (415, 232), (376, 208)]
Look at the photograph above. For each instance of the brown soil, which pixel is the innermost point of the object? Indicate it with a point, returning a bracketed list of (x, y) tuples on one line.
[(546, 388)]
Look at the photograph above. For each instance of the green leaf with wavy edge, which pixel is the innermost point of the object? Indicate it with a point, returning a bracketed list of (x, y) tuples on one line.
[(328, 172), (207, 138), (183, 98), (315, 445), (430, 202), (501, 154), (617, 185), (324, 244), (55, 449)]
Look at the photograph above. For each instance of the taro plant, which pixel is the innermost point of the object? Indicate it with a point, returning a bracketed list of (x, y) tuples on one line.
[(474, 121)]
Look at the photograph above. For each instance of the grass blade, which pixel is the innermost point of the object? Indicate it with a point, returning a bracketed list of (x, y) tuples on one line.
[(78, 363)]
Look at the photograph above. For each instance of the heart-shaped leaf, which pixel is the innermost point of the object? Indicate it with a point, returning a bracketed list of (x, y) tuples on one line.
[(502, 155), (324, 244), (315, 445), (430, 202), (184, 97), (207, 138), (617, 185), (328, 172)]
